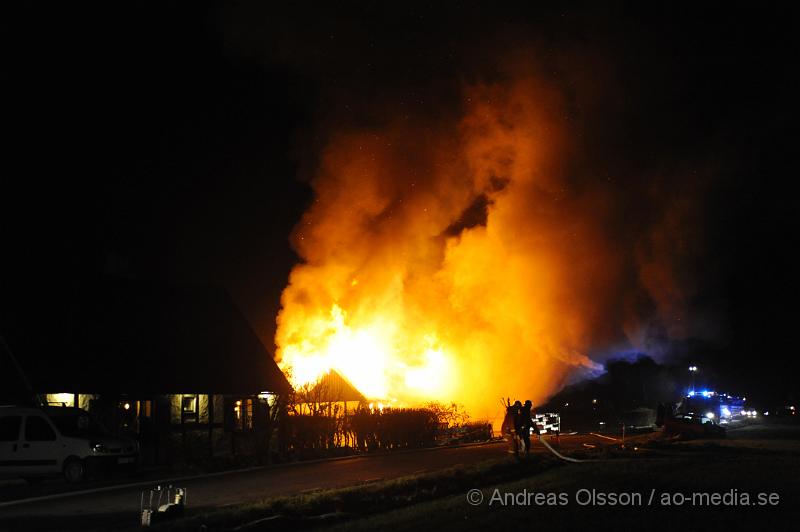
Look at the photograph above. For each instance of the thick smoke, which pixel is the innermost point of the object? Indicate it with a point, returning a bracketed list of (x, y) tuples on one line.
[(477, 231)]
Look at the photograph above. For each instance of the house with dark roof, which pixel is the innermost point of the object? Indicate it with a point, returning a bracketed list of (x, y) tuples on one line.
[(178, 367), (322, 411), (332, 387)]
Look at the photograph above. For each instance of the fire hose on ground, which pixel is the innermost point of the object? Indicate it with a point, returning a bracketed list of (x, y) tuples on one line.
[(561, 456)]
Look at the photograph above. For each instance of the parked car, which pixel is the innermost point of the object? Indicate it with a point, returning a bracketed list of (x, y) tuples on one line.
[(40, 442)]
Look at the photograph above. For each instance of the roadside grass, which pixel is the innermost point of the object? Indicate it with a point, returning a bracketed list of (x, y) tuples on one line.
[(684, 471), (313, 509), (753, 445), (437, 500), (323, 507)]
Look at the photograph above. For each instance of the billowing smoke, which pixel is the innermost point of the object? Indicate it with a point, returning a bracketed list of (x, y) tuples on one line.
[(467, 256)]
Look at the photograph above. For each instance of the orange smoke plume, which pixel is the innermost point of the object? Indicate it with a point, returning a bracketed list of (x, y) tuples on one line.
[(451, 261)]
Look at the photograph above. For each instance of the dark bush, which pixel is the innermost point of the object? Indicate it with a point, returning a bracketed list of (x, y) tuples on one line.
[(393, 428), (365, 429)]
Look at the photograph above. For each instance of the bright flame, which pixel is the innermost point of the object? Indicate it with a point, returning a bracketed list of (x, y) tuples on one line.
[(427, 378), (372, 357), (456, 260)]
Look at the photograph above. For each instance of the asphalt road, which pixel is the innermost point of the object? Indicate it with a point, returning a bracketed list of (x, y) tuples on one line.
[(118, 506)]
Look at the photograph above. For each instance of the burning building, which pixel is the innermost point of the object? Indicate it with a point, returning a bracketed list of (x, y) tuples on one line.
[(467, 257)]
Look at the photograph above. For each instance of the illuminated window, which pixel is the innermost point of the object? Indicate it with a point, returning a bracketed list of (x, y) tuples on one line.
[(270, 398), (243, 414), (189, 408), (189, 404), (61, 399), (237, 415), (248, 414)]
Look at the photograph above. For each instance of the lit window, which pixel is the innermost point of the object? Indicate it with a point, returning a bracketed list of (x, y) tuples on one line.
[(270, 398), (189, 404), (237, 415), (189, 408), (61, 399), (248, 414), (243, 414)]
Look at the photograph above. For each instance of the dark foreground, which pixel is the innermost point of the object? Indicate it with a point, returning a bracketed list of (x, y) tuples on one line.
[(57, 506), (746, 481), (750, 481)]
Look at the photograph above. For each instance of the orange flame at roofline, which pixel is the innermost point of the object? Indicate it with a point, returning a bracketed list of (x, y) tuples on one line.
[(370, 356), (448, 260)]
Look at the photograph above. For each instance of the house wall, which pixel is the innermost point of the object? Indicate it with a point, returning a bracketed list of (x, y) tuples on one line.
[(203, 407), (174, 408), (169, 434), (84, 400), (202, 402), (213, 431)]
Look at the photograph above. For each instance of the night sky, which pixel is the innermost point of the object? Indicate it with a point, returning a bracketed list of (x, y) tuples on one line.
[(175, 142)]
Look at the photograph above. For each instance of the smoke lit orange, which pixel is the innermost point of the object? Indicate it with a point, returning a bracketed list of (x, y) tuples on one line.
[(449, 260)]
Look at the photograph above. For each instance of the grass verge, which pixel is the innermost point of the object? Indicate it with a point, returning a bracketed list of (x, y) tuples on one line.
[(320, 507), (670, 476)]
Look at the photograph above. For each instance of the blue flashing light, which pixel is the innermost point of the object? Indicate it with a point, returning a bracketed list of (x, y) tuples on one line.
[(702, 393)]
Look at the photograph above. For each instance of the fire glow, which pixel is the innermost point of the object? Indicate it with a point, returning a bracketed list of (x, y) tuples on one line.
[(452, 258), (371, 356)]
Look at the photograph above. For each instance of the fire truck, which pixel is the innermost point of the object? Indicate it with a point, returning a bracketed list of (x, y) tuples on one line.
[(705, 413), (713, 407)]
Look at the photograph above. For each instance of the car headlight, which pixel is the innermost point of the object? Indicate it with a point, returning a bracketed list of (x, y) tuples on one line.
[(98, 447)]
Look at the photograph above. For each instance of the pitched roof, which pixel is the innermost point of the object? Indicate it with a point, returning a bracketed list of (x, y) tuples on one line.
[(333, 387), (139, 338)]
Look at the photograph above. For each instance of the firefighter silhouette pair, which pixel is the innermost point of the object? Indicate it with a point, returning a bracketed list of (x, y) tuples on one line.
[(517, 426)]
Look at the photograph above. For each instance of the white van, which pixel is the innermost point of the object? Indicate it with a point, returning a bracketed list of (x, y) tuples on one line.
[(41, 442)]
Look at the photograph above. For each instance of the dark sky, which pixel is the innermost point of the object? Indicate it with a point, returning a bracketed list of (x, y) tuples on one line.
[(173, 142)]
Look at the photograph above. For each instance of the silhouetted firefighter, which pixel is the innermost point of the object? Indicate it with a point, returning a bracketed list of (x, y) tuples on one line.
[(525, 424), (507, 429), (516, 427)]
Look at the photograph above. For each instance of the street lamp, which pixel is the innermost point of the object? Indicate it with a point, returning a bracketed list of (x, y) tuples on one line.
[(692, 370)]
